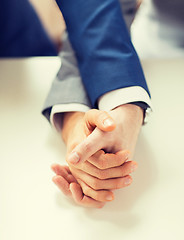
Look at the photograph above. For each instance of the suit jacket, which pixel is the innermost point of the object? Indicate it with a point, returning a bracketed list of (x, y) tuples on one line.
[(106, 58), (99, 37)]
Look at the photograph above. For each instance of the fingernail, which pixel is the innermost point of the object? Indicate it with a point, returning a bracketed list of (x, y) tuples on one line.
[(127, 156), (73, 158), (108, 122), (109, 198), (128, 181), (133, 168)]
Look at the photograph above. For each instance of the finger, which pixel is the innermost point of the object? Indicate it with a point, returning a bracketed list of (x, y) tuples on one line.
[(62, 184), (102, 195), (75, 192), (104, 160), (109, 184), (86, 148), (59, 169), (64, 172), (70, 177), (101, 119), (100, 184), (115, 172), (83, 200), (67, 169)]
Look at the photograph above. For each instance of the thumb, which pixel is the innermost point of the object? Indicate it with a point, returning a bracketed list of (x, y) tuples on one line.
[(100, 119), (84, 150)]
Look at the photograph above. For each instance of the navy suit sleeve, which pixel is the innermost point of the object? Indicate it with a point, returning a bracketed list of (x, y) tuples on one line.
[(106, 57), (21, 33)]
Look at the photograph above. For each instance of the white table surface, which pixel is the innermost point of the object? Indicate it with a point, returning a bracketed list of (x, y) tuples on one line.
[(31, 207)]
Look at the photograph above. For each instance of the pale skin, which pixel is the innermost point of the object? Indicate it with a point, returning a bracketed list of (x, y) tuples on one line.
[(90, 179)]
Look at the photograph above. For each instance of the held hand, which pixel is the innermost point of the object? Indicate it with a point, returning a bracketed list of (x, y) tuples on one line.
[(85, 195), (111, 172), (95, 178), (128, 120), (97, 169), (76, 126), (70, 188)]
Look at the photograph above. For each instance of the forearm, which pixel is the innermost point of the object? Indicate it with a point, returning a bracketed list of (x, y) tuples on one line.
[(130, 112), (70, 119), (92, 26)]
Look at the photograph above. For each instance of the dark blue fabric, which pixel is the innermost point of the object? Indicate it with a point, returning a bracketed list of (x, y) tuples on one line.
[(106, 57), (21, 33)]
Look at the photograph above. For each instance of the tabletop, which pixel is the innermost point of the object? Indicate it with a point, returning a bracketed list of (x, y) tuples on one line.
[(31, 207)]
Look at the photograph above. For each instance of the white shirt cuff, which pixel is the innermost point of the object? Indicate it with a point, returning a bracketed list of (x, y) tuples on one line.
[(122, 96), (57, 110), (106, 102)]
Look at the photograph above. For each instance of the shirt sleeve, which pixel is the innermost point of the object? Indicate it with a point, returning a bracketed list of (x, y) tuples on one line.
[(58, 110), (109, 101)]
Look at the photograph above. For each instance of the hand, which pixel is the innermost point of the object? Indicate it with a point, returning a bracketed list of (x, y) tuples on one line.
[(99, 165), (85, 195), (69, 186), (76, 127), (128, 120), (103, 172)]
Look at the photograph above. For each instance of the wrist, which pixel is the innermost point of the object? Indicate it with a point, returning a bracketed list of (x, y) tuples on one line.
[(130, 112), (129, 119), (130, 107), (70, 120)]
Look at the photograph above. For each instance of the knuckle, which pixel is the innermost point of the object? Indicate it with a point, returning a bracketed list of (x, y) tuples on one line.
[(74, 145), (87, 147), (89, 113), (103, 175), (98, 196), (102, 164), (119, 162), (99, 165), (122, 171), (118, 183), (86, 190), (95, 184), (100, 174), (102, 115)]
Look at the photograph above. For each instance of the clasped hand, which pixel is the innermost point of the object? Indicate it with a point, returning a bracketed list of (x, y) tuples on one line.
[(94, 173)]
